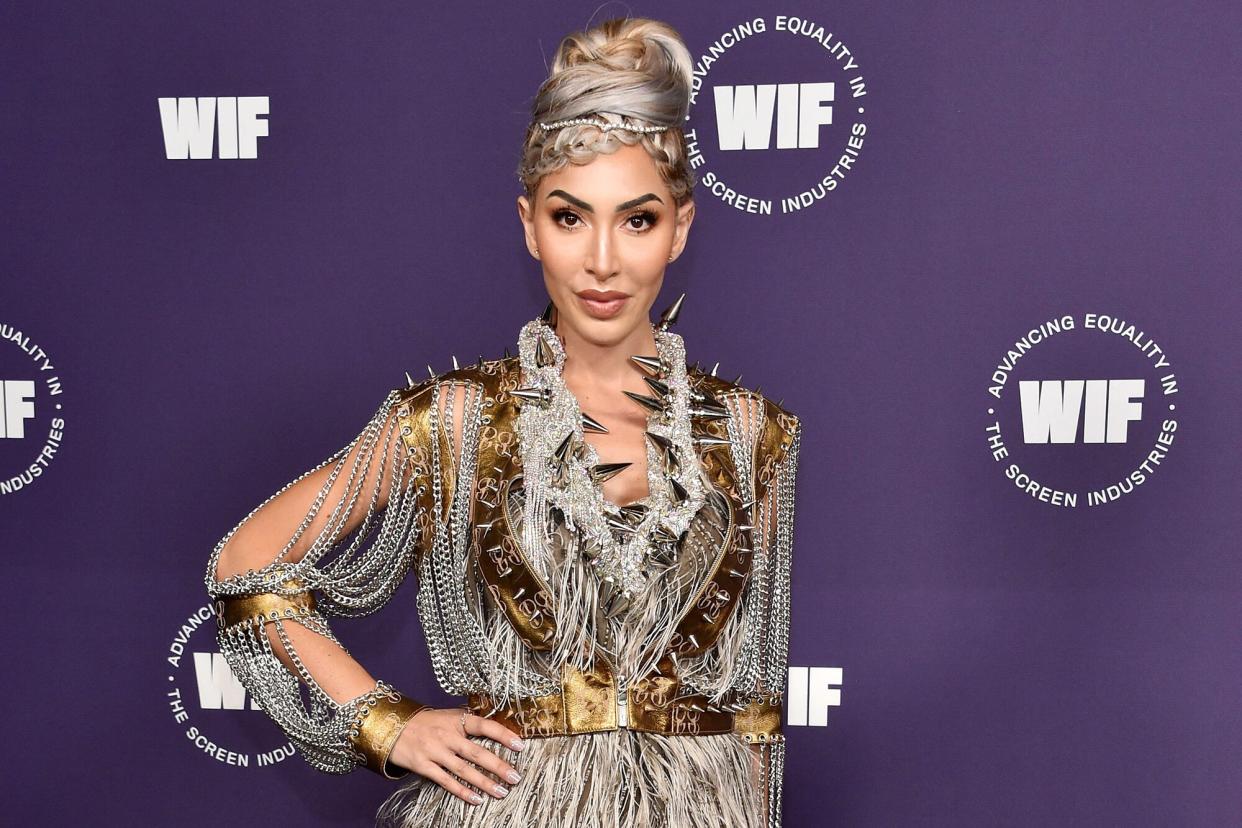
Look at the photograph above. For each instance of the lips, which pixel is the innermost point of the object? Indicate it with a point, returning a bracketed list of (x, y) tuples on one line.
[(602, 304)]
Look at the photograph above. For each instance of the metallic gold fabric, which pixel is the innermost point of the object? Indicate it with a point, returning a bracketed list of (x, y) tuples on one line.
[(760, 721), (380, 724), (232, 610), (588, 702)]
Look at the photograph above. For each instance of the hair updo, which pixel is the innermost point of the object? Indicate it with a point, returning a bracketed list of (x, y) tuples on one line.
[(631, 70)]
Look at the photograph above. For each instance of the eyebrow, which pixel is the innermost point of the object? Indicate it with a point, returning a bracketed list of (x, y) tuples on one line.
[(625, 205)]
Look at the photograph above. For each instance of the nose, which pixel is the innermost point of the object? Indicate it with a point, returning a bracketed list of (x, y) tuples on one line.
[(602, 261)]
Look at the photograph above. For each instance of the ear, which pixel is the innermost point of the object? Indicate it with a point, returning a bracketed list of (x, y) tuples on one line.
[(527, 216), (681, 232)]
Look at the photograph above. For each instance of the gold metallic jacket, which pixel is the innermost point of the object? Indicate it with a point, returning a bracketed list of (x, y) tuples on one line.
[(434, 484)]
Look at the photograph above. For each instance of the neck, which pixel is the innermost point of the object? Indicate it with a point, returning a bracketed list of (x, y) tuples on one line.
[(591, 364)]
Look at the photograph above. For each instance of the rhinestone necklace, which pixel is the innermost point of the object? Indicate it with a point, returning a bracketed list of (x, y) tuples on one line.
[(562, 472)]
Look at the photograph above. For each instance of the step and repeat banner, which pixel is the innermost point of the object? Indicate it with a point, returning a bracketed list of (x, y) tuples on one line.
[(987, 252)]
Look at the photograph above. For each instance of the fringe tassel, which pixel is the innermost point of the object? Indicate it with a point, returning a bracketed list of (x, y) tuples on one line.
[(600, 780)]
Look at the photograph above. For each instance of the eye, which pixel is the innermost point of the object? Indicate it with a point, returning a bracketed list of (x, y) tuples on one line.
[(560, 216), (646, 216)]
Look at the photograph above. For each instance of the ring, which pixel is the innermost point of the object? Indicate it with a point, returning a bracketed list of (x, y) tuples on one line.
[(464, 714)]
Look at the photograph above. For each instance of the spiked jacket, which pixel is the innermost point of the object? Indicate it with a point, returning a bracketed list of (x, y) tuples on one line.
[(650, 696)]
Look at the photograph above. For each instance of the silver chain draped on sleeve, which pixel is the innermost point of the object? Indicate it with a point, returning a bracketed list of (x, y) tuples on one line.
[(369, 560), (768, 607)]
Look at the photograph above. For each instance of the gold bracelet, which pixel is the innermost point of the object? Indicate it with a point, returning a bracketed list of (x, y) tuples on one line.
[(382, 715)]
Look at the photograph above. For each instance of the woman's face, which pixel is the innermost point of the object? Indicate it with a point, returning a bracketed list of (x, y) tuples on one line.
[(606, 230)]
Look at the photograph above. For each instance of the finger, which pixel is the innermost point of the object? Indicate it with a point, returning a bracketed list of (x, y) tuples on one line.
[(489, 761), (445, 780), (494, 730), (473, 776)]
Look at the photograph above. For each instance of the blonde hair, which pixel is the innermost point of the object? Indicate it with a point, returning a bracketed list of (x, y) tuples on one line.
[(625, 70)]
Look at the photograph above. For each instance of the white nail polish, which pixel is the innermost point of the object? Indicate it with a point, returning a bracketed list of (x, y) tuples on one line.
[(476, 799)]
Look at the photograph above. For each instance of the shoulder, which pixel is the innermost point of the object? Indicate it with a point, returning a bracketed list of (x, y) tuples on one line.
[(415, 399), (772, 416), (769, 427)]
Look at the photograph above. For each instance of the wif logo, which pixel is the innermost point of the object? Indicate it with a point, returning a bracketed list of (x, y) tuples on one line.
[(1082, 436), (17, 407), (778, 82), (218, 687), (32, 422), (744, 115), (812, 690), (1051, 408), (191, 126)]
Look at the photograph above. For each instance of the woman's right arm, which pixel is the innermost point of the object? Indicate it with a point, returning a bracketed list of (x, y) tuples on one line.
[(338, 541)]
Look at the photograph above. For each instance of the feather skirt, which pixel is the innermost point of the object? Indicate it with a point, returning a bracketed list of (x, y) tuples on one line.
[(600, 780)]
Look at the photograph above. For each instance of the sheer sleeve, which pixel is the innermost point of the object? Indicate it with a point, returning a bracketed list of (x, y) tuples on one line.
[(766, 599), (335, 542)]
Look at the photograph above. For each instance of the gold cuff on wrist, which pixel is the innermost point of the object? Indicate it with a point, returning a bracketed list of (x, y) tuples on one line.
[(381, 718)]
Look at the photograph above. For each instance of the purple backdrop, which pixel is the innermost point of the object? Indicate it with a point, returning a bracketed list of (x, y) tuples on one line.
[(977, 654)]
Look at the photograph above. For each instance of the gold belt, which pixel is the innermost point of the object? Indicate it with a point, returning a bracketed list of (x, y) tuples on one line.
[(590, 702)]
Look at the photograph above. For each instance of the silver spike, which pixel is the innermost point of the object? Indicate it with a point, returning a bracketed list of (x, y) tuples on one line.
[(633, 512), (655, 385), (619, 523), (430, 372), (715, 368), (591, 424), (650, 403), (653, 365), (661, 442), (409, 381), (562, 451), (709, 412), (547, 314), (671, 313), (671, 464), (680, 495), (708, 441), (543, 353), (604, 471), (542, 395), (455, 365), (663, 534)]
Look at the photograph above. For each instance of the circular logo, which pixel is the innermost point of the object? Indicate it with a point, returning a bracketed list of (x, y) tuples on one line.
[(206, 699), (776, 120), (32, 417), (1082, 410)]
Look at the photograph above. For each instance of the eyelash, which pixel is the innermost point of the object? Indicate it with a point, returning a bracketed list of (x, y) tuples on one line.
[(647, 215)]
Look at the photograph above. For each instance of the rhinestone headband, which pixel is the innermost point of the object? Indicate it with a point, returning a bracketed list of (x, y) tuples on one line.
[(606, 126)]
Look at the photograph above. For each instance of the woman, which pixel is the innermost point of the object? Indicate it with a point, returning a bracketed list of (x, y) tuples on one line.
[(601, 533)]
